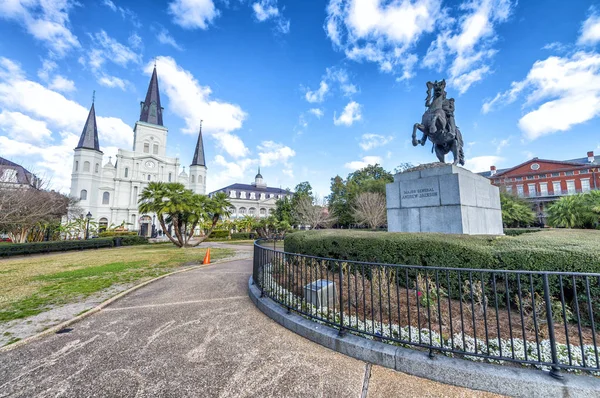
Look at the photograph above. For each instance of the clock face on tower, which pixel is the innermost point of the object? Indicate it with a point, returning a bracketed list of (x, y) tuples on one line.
[(149, 164)]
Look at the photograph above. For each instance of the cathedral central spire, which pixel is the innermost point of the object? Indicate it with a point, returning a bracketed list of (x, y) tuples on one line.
[(89, 135), (198, 159), (151, 111)]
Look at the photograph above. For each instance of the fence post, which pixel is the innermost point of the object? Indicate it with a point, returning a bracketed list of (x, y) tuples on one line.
[(342, 331), (555, 370)]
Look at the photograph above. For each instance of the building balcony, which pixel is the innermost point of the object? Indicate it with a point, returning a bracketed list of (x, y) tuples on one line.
[(551, 194)]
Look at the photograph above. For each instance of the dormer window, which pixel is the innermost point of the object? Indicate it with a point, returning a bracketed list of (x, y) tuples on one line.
[(232, 194), (252, 195), (262, 196), (242, 195)]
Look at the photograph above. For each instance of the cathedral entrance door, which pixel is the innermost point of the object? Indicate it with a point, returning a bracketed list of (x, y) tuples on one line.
[(145, 222)]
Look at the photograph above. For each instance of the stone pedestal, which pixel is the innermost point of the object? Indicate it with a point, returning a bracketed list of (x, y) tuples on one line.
[(443, 198)]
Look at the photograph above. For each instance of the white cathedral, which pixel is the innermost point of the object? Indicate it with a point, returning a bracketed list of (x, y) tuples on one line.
[(110, 191)]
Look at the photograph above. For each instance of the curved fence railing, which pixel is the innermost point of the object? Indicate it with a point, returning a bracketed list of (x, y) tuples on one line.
[(544, 319)]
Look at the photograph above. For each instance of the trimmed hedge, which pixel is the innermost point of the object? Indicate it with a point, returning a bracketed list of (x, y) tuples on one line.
[(54, 246), (520, 231), (224, 235), (19, 249), (242, 235), (549, 250), (107, 234)]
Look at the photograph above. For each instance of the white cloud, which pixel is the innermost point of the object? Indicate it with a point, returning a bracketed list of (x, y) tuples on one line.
[(231, 172), (567, 89), (500, 144), (111, 49), (333, 77), (193, 14), (590, 30), (359, 164), (318, 112), (164, 37), (23, 128), (370, 141), (57, 82), (193, 102), (317, 95), (110, 4), (62, 84), (270, 153), (267, 9), (479, 164), (468, 42), (380, 31), (351, 114), (46, 21), (135, 40), (112, 81), (41, 103)]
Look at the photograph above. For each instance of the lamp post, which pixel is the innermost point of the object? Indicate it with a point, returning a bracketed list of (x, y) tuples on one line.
[(153, 226), (87, 225)]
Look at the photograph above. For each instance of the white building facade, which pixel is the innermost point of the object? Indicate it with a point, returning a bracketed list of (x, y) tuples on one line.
[(110, 191), (256, 199)]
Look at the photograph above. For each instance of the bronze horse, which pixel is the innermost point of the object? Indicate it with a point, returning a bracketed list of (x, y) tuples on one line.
[(438, 125)]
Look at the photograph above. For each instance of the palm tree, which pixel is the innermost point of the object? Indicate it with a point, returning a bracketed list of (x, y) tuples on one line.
[(166, 200)]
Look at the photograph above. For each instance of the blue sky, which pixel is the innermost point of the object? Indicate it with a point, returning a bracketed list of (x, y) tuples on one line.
[(304, 89)]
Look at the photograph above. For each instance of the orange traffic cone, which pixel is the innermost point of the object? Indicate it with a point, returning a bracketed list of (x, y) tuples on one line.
[(207, 257)]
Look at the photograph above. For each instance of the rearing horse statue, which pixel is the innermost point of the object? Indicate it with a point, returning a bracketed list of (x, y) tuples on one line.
[(438, 125)]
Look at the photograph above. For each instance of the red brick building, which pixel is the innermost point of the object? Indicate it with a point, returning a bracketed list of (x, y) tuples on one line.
[(543, 181)]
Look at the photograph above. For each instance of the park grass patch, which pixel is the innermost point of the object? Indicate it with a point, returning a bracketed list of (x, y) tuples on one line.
[(37, 284)]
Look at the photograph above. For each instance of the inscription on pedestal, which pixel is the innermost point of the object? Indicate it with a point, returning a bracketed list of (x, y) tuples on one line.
[(419, 193)]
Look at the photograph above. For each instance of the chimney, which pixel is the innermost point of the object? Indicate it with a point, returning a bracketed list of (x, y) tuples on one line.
[(591, 158), (492, 171)]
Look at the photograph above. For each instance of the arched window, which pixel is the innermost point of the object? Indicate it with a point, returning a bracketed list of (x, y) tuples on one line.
[(242, 211), (83, 195), (169, 177), (146, 147), (97, 168), (126, 172), (102, 224), (199, 179), (252, 211), (193, 179), (86, 166), (149, 177), (232, 211), (263, 212), (76, 165), (155, 149), (105, 198)]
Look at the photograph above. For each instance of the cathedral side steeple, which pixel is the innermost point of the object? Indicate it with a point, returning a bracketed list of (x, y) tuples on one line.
[(89, 135), (198, 167), (198, 159), (151, 111)]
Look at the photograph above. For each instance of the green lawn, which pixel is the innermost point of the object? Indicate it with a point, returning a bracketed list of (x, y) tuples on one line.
[(31, 285)]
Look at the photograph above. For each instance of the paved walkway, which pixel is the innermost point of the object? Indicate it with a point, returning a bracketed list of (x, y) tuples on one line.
[(194, 334)]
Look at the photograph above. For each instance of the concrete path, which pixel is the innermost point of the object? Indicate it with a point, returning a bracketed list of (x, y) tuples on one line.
[(194, 334)]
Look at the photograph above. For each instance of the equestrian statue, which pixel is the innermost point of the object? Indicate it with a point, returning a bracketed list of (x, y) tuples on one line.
[(438, 125)]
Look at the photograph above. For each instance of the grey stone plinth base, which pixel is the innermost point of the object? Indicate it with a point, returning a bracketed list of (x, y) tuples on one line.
[(505, 380), (443, 198)]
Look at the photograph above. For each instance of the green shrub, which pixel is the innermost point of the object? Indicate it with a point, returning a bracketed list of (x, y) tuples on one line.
[(54, 246), (519, 231), (132, 240), (109, 234), (219, 235), (241, 235), (549, 250)]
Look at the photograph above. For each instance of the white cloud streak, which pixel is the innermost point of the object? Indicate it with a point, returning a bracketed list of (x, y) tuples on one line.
[(360, 164), (193, 14), (371, 141), (351, 114)]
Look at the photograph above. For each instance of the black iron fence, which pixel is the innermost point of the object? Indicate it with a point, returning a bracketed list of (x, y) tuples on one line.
[(544, 319)]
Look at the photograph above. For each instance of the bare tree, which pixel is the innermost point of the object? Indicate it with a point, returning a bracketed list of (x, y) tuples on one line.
[(24, 209), (314, 212), (369, 208)]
